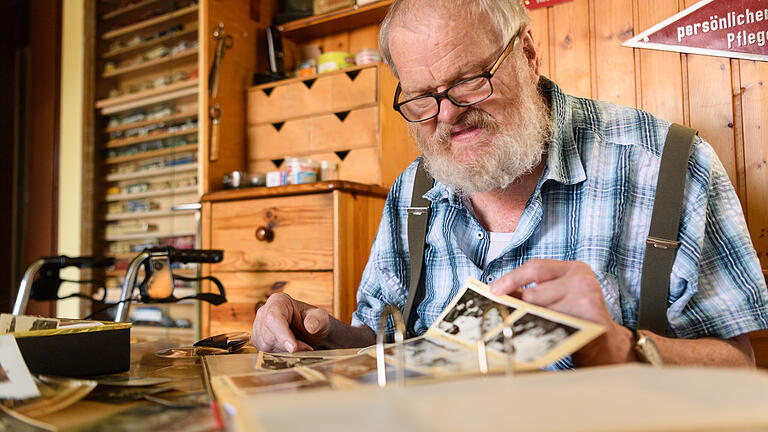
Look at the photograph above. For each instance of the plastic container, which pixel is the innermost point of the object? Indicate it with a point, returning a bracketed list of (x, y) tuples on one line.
[(300, 170), (367, 56), (334, 60), (329, 170)]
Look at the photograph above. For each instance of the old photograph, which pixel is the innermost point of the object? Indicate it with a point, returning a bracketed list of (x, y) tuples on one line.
[(463, 320), (533, 337), (350, 367), (288, 379), (435, 356), (272, 361)]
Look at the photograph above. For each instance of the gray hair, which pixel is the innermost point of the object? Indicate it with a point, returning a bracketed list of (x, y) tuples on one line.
[(506, 17)]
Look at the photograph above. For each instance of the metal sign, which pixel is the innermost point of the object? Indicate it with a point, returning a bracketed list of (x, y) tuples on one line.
[(723, 28), (536, 4)]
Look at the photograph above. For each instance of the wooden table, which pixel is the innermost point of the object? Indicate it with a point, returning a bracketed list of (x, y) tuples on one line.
[(185, 375)]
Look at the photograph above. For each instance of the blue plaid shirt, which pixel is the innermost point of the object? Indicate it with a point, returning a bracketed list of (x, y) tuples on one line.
[(593, 203)]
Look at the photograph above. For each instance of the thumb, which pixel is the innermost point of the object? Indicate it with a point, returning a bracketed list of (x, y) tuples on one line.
[(315, 321)]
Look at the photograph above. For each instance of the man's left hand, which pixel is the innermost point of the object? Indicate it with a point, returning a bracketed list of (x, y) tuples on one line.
[(570, 287)]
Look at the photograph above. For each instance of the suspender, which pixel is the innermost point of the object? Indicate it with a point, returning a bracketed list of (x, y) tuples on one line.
[(662, 235), (661, 245), (418, 219)]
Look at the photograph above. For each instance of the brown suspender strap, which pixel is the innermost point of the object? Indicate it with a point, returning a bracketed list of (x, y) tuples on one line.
[(661, 245), (418, 219)]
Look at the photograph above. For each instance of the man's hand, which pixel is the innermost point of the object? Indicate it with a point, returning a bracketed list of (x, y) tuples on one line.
[(287, 325), (570, 287)]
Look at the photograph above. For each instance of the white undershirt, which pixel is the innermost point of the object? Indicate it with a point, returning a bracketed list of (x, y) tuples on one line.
[(498, 242)]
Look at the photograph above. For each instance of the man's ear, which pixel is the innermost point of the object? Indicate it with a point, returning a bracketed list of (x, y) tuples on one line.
[(529, 49)]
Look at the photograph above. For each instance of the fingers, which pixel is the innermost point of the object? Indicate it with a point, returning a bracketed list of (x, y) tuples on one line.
[(271, 327), (533, 271), (316, 321)]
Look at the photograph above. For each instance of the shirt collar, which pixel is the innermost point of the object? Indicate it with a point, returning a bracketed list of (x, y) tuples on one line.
[(564, 164)]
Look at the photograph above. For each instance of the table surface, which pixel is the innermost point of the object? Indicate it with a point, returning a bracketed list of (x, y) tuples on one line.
[(185, 375)]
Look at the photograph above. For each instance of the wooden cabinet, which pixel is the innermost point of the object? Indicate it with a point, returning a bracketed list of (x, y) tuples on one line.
[(310, 241)]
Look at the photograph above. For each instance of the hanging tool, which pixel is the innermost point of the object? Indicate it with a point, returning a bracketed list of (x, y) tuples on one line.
[(223, 43), (215, 113)]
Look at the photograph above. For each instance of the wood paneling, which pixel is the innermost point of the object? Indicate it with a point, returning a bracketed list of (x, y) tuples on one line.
[(754, 97)]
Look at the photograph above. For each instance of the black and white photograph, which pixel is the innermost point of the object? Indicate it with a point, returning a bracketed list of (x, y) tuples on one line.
[(271, 361), (533, 337), (288, 379), (436, 356), (349, 367), (463, 320)]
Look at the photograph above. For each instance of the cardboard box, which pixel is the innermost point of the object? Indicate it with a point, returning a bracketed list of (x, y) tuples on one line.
[(77, 352), (324, 6)]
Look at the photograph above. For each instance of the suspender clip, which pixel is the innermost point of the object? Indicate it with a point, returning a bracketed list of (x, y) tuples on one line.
[(417, 211), (661, 243)]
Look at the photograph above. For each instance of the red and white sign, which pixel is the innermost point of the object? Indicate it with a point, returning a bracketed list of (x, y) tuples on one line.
[(723, 28), (536, 4)]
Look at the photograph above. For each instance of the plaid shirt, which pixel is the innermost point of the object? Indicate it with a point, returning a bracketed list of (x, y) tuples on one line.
[(593, 203)]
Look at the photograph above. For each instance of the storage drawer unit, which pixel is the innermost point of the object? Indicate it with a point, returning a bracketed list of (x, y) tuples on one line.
[(310, 241), (344, 116)]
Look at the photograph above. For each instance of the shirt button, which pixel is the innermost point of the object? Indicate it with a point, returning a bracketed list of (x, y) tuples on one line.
[(479, 235), (490, 278)]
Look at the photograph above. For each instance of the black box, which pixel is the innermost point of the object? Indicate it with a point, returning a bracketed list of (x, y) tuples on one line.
[(77, 352)]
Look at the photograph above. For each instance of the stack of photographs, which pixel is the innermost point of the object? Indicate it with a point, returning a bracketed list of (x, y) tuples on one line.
[(539, 336), (448, 348)]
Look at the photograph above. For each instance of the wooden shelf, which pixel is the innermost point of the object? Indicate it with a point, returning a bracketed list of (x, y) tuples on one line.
[(133, 7), (143, 66), (149, 194), (188, 167), (145, 214), (150, 154), (146, 235), (134, 125), (144, 138), (337, 21), (188, 29), (147, 97), (161, 19)]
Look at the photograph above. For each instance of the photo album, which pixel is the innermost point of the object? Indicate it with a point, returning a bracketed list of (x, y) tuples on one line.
[(449, 348)]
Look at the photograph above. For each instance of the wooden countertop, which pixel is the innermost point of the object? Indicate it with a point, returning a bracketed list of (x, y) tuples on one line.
[(302, 189)]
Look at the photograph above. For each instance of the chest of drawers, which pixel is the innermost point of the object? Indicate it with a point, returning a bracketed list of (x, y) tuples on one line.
[(310, 241)]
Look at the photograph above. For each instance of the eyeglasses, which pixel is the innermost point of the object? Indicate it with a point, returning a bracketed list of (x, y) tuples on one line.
[(462, 94)]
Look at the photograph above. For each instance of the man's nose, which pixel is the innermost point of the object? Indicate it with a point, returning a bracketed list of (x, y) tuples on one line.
[(449, 112)]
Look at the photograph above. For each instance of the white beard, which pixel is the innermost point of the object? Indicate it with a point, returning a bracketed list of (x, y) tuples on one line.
[(514, 151)]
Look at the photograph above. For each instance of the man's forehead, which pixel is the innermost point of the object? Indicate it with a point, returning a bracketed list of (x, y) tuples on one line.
[(427, 54)]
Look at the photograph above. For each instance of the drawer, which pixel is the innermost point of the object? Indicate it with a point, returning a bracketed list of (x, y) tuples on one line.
[(361, 165), (295, 99), (301, 230), (278, 140), (359, 128), (247, 291), (327, 93), (350, 89)]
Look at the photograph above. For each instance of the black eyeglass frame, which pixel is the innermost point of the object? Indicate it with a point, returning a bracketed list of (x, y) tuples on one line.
[(444, 94)]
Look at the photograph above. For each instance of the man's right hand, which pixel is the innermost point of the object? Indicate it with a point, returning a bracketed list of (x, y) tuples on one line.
[(287, 325)]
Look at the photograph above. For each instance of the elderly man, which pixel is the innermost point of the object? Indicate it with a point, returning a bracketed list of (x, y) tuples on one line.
[(539, 190)]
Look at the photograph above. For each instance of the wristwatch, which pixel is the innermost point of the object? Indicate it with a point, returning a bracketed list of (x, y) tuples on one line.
[(646, 350)]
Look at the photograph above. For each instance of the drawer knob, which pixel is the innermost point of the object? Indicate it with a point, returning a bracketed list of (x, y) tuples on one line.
[(264, 234)]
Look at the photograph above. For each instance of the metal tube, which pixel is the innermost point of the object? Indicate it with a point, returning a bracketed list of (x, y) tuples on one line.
[(25, 287), (381, 365), (128, 284), (507, 333)]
